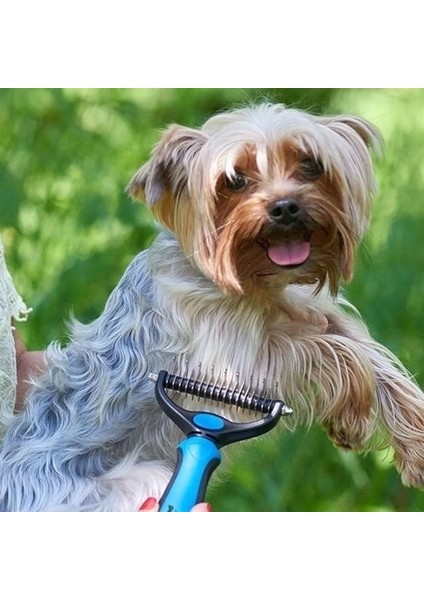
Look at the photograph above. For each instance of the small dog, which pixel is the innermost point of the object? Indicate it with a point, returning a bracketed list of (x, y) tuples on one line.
[(263, 209)]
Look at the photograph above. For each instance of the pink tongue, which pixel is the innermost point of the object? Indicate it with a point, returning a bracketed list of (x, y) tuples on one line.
[(290, 253)]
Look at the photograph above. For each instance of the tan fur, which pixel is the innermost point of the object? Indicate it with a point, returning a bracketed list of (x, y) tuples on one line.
[(283, 323)]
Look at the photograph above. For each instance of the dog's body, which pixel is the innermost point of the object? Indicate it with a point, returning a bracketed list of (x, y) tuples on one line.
[(264, 207)]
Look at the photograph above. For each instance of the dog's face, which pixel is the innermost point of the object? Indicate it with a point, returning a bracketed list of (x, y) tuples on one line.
[(264, 194)]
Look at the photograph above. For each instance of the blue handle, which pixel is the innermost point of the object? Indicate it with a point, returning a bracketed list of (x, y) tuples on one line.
[(197, 458)]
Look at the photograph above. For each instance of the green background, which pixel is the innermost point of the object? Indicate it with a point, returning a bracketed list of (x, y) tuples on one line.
[(69, 231)]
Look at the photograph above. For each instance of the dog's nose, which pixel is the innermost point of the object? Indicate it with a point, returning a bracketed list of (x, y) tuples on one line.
[(285, 211)]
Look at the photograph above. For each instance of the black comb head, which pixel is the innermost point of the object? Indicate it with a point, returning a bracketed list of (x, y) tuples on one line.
[(221, 430), (238, 397)]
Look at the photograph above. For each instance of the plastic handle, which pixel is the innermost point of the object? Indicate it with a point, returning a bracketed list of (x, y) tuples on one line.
[(197, 458)]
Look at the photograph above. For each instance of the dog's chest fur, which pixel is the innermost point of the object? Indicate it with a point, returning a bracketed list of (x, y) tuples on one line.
[(244, 339)]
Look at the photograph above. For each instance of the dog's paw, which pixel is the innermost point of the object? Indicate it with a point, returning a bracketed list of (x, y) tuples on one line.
[(413, 478), (348, 438), (409, 461)]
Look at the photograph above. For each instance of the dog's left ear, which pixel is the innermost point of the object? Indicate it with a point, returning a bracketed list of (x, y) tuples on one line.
[(167, 170), (345, 125), (358, 138)]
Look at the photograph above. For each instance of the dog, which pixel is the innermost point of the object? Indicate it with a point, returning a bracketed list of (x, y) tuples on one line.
[(262, 210)]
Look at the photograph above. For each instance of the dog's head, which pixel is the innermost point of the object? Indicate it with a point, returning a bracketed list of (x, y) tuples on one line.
[(264, 194)]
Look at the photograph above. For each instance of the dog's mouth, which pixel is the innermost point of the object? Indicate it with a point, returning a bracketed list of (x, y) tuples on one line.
[(288, 251)]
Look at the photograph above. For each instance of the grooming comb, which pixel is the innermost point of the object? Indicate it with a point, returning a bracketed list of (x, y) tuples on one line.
[(198, 454)]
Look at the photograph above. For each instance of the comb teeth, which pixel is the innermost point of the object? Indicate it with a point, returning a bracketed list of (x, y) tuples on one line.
[(237, 397)]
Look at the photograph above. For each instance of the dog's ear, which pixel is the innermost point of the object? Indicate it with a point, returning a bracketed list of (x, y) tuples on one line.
[(351, 141), (167, 170), (345, 125)]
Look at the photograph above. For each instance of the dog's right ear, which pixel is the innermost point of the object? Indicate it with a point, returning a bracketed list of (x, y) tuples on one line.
[(167, 170)]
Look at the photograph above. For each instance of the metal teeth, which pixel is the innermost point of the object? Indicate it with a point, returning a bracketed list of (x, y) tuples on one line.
[(237, 397), (216, 388)]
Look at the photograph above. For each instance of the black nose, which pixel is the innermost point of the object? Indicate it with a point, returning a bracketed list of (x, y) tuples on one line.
[(285, 211)]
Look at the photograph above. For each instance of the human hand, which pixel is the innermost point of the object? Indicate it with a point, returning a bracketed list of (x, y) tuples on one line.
[(28, 364), (152, 505)]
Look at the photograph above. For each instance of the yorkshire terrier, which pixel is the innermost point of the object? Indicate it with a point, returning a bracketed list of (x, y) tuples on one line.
[(262, 210)]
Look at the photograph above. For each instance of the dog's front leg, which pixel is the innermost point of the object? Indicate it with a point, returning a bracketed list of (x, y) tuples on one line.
[(332, 382), (396, 411)]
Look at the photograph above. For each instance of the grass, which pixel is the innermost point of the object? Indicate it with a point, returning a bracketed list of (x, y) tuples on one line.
[(70, 230)]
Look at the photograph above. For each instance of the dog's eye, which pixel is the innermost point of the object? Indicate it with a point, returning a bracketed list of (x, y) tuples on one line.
[(236, 182), (310, 168)]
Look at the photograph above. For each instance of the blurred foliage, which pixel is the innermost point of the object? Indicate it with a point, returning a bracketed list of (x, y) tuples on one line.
[(69, 231)]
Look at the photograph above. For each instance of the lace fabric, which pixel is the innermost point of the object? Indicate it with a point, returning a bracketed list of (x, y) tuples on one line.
[(11, 307)]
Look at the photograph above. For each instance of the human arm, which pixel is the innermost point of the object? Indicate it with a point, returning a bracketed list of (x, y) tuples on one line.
[(28, 364)]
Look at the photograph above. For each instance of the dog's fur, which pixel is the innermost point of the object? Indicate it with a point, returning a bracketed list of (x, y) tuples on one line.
[(262, 208)]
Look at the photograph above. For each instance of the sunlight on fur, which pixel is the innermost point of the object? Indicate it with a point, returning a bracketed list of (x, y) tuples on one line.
[(262, 210)]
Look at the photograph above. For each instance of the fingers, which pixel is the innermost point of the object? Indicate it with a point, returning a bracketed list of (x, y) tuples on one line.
[(149, 505), (152, 505), (202, 507)]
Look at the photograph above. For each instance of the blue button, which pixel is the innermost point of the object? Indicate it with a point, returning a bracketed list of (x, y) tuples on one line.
[(208, 421)]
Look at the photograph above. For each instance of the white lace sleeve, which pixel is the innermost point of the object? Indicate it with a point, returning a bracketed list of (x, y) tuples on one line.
[(11, 307)]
